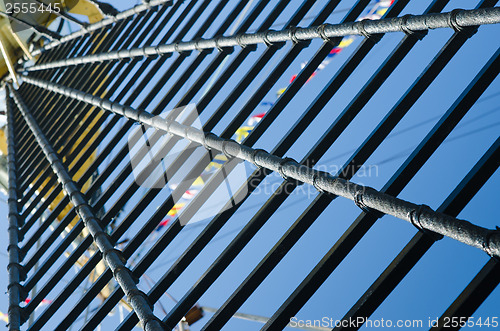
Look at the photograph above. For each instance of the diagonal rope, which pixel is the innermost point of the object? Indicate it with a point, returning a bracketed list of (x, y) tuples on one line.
[(101, 24), (363, 196), (457, 19)]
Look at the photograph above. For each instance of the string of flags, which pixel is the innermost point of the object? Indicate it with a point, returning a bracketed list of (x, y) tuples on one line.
[(5, 317), (217, 162), (373, 13), (44, 301)]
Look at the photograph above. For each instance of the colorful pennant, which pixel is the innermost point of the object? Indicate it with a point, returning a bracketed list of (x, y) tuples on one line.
[(374, 13)]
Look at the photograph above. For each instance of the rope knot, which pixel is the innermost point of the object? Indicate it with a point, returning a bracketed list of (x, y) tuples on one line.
[(414, 217), (487, 243)]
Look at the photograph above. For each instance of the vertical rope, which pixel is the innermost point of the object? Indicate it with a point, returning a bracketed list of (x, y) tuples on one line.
[(15, 270), (111, 256)]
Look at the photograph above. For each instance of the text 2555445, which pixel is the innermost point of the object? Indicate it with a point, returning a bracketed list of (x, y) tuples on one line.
[(31, 8)]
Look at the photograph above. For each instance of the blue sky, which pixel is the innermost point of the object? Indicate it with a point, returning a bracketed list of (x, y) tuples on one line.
[(441, 274)]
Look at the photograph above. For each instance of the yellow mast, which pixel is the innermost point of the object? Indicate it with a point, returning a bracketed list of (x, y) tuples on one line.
[(13, 46)]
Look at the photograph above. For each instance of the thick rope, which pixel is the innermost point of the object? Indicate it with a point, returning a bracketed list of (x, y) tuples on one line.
[(428, 219), (457, 20), (111, 256), (101, 24)]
